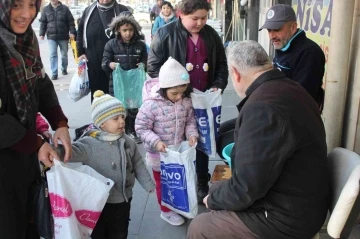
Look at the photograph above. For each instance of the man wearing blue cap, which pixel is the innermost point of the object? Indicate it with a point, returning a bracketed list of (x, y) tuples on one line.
[(298, 57)]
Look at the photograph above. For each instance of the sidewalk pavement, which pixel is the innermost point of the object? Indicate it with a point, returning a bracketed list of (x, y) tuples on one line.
[(145, 213)]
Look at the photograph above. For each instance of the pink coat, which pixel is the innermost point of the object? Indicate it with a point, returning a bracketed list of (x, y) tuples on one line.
[(41, 124), (160, 119)]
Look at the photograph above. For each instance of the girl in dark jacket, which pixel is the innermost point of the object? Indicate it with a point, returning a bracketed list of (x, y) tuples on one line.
[(25, 89), (128, 50), (199, 49)]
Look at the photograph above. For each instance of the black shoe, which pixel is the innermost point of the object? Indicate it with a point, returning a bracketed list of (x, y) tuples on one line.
[(54, 77), (135, 138), (202, 187), (64, 72)]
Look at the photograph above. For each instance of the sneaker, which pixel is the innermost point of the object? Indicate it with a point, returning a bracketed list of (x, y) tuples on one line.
[(64, 72), (135, 138), (172, 218), (54, 77)]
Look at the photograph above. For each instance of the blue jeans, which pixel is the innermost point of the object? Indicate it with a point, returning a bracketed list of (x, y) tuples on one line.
[(53, 45)]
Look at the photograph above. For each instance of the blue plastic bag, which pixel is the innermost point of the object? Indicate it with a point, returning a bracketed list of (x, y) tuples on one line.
[(128, 85), (207, 107), (178, 179)]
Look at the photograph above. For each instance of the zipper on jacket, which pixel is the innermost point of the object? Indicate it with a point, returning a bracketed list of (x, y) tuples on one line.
[(265, 206)]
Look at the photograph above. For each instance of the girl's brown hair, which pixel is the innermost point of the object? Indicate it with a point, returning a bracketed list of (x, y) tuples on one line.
[(189, 89)]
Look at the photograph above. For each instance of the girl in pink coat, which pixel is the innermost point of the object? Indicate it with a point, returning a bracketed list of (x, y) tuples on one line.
[(166, 118)]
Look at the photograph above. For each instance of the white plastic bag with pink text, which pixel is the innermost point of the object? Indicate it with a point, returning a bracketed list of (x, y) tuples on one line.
[(77, 195)]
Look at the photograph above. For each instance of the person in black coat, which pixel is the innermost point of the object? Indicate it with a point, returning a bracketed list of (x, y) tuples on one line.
[(92, 35), (57, 22), (279, 186), (128, 50), (199, 49)]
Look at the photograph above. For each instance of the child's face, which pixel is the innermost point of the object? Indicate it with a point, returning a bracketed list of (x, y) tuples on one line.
[(114, 125), (176, 93), (126, 32), (166, 10), (195, 21)]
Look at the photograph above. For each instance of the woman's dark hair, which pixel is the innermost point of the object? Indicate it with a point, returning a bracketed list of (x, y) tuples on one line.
[(189, 89), (189, 6), (167, 3)]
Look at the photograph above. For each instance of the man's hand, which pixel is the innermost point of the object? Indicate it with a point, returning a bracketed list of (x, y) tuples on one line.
[(72, 36), (63, 135), (161, 146), (41, 37), (47, 154), (82, 57), (205, 201), (192, 140), (112, 65)]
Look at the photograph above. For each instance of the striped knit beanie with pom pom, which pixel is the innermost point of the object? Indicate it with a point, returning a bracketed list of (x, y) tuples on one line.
[(105, 107)]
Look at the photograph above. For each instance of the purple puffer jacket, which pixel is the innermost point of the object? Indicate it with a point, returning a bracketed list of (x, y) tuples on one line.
[(160, 119)]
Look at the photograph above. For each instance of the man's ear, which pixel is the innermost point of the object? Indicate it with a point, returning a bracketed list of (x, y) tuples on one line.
[(236, 74)]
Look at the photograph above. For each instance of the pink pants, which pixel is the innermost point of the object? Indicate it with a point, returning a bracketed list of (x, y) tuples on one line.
[(157, 178)]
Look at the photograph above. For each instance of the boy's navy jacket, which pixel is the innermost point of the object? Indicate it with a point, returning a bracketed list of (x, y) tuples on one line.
[(128, 55)]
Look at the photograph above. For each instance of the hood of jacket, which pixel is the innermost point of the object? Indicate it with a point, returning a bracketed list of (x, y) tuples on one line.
[(150, 90)]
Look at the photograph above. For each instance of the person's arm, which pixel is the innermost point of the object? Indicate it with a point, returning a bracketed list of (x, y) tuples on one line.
[(80, 36), (81, 150), (156, 25), (41, 124), (108, 57), (190, 125), (263, 143), (144, 56), (221, 71), (71, 22), (156, 57), (141, 172), (43, 24), (144, 123), (309, 70)]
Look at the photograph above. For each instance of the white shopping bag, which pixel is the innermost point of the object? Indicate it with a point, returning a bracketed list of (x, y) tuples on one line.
[(77, 197), (178, 179), (79, 85), (207, 107)]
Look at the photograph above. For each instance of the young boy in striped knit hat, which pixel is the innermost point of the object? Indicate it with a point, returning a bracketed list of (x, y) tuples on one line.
[(109, 151)]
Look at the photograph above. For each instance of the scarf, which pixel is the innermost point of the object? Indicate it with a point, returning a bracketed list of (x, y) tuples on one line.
[(102, 135), (22, 62), (167, 18), (106, 15)]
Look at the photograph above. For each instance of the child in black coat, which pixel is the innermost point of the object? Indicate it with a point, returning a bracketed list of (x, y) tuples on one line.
[(127, 50)]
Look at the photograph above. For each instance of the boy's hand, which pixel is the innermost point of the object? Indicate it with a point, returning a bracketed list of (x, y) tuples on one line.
[(47, 135), (63, 135), (46, 154), (112, 65), (192, 140), (161, 146)]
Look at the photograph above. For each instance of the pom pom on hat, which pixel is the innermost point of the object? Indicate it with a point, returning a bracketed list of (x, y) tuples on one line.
[(172, 74), (105, 107)]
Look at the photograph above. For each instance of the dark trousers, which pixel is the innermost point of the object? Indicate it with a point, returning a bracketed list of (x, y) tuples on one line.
[(113, 222), (18, 172), (202, 164), (130, 120)]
